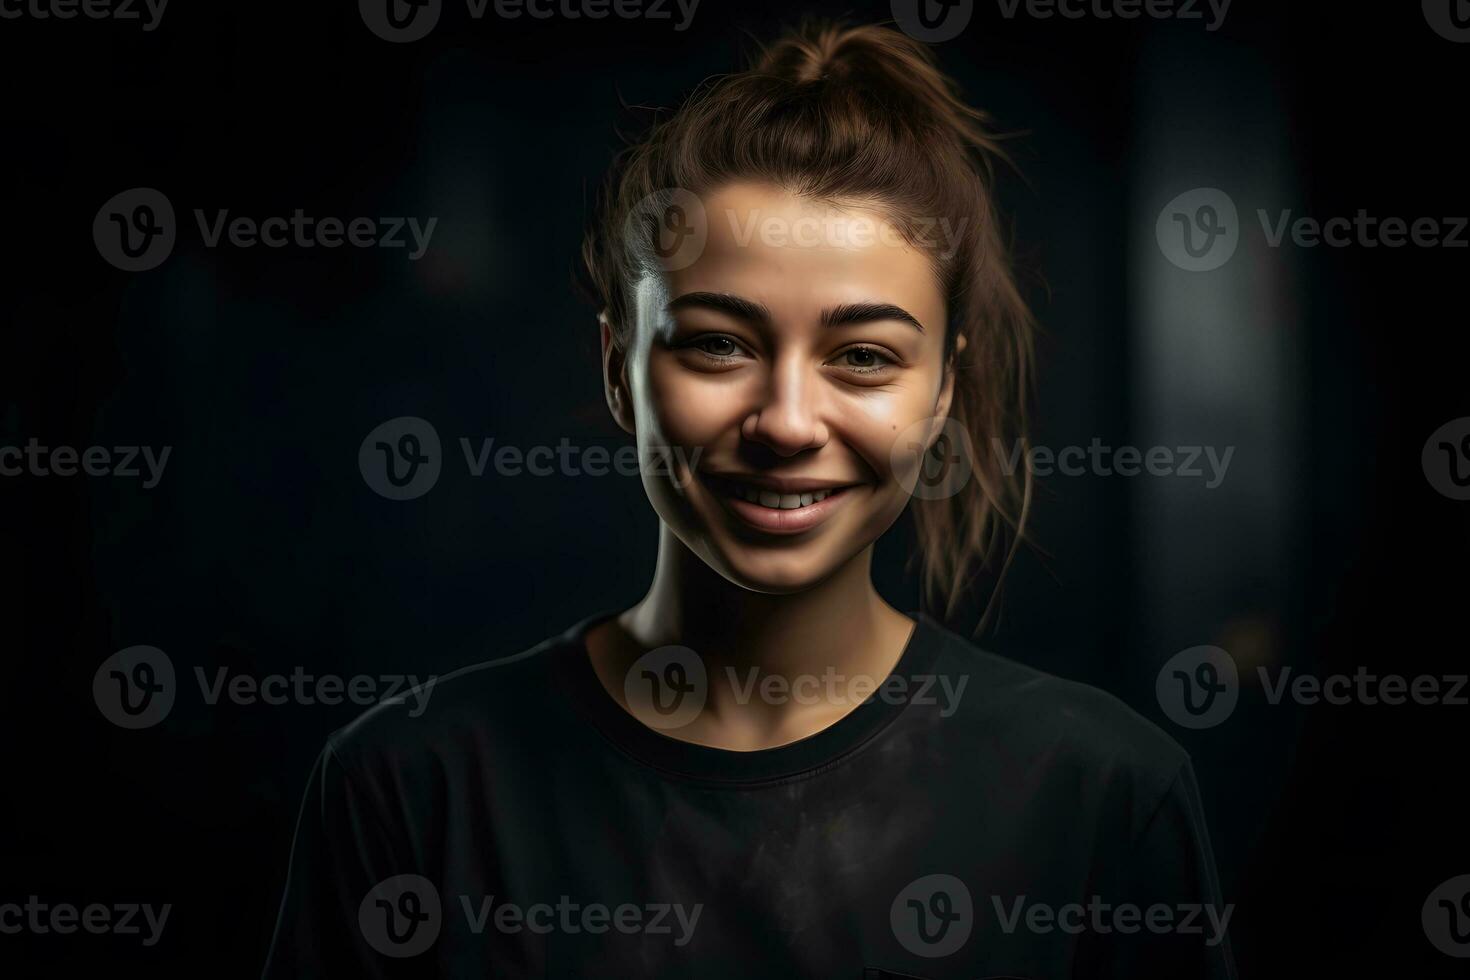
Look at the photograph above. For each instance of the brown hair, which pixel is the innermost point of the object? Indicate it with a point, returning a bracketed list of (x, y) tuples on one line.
[(843, 114)]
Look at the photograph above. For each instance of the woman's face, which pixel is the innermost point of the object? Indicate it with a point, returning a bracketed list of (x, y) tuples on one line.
[(775, 374)]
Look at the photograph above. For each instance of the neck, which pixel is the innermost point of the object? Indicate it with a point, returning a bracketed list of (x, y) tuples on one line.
[(840, 624)]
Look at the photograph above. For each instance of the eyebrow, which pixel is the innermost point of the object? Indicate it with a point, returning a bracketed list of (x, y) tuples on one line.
[(745, 309), (868, 313), (736, 306)]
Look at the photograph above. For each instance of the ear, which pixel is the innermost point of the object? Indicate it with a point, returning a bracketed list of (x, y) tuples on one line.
[(615, 376), (946, 391)]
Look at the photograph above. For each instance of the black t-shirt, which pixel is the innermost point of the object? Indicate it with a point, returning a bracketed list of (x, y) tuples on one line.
[(973, 818)]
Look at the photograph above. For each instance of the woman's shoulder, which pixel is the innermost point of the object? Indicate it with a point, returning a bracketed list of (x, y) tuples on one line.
[(1041, 718), (490, 699)]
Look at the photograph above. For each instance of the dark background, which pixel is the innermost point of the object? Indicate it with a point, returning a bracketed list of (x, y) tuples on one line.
[(263, 550)]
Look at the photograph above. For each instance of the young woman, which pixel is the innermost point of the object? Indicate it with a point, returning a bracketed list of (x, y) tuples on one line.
[(761, 768)]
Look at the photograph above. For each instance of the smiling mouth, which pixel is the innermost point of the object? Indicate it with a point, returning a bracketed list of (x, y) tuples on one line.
[(773, 511), (770, 499)]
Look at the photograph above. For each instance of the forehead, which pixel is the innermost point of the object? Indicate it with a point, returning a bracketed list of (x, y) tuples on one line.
[(798, 256)]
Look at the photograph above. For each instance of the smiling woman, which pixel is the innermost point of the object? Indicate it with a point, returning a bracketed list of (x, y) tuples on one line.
[(795, 368), (814, 782)]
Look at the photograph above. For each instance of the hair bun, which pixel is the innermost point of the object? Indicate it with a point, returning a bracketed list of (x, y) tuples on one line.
[(823, 51), (884, 70)]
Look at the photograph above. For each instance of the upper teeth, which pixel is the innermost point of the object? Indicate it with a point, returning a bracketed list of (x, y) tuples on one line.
[(781, 501)]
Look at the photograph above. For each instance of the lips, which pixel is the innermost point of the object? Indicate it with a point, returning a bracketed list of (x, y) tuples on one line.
[(782, 507), (779, 501)]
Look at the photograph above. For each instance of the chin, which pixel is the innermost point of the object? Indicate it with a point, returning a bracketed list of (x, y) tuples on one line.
[(772, 572), (774, 563)]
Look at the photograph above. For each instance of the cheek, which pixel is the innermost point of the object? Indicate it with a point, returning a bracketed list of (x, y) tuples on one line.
[(874, 423), (687, 408)]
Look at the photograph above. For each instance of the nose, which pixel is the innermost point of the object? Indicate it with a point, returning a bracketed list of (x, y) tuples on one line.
[(789, 418)]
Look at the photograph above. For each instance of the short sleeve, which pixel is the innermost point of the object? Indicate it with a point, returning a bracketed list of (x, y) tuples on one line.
[(1177, 922), (340, 852)]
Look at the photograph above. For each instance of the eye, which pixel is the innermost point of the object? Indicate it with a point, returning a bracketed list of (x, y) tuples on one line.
[(715, 350), (717, 345), (864, 360)]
